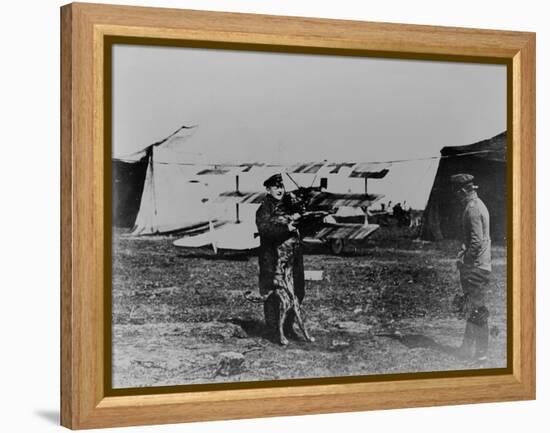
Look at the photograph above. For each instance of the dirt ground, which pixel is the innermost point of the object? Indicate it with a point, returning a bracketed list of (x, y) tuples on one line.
[(180, 315)]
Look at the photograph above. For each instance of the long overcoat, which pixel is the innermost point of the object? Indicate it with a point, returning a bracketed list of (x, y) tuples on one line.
[(278, 244)]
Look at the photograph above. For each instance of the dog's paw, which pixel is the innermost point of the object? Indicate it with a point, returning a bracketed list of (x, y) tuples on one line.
[(283, 341)]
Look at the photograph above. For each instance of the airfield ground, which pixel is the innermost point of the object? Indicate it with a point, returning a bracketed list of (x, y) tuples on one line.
[(180, 315)]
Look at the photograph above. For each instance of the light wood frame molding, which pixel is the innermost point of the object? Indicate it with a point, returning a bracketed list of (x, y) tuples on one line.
[(84, 403)]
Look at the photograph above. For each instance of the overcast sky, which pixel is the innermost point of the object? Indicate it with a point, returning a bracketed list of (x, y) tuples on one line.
[(293, 107)]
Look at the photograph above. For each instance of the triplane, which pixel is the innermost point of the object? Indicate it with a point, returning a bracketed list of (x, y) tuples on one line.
[(321, 222)]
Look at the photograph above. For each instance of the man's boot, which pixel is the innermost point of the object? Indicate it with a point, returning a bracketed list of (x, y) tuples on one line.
[(480, 318), (468, 341), (271, 314), (482, 341)]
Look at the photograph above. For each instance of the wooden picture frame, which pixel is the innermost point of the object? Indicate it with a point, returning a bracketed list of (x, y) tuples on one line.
[(85, 219)]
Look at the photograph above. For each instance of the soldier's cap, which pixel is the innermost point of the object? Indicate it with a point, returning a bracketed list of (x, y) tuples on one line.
[(461, 179), (275, 180)]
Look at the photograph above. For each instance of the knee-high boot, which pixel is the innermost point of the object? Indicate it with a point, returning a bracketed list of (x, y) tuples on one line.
[(482, 340), (468, 341), (480, 318)]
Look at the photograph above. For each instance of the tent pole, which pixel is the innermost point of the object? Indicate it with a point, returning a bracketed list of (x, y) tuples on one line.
[(151, 162)]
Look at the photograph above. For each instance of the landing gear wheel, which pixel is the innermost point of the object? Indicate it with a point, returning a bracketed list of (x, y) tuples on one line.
[(337, 246)]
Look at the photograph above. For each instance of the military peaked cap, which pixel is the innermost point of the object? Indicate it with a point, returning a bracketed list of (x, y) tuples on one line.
[(274, 180), (461, 179)]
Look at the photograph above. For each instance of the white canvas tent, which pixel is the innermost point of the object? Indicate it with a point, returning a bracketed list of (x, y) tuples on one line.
[(179, 194), (170, 199)]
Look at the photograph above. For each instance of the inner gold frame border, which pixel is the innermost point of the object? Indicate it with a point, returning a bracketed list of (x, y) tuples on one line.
[(87, 34)]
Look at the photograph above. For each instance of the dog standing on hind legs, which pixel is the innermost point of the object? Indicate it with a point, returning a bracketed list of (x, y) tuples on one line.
[(282, 308)]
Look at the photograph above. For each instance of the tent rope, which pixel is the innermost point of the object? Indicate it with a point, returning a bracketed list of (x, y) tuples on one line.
[(394, 161)]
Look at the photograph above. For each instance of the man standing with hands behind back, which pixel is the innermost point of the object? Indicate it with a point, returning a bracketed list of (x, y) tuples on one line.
[(474, 265)]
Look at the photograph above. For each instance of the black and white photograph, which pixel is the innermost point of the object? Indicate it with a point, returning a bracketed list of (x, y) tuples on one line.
[(285, 216)]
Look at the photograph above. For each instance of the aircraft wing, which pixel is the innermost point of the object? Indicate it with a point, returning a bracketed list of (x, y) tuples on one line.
[(201, 227), (329, 199), (307, 168), (319, 199), (346, 231), (370, 170), (231, 236), (355, 169), (194, 241)]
